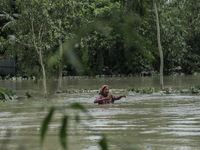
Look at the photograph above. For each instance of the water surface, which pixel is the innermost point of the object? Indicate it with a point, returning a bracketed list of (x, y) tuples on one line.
[(147, 122)]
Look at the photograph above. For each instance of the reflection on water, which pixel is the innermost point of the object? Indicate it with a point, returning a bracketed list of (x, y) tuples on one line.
[(148, 122)]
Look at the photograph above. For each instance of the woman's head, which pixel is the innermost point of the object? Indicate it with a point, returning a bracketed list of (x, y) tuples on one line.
[(104, 90)]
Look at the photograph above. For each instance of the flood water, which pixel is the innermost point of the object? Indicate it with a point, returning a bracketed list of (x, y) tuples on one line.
[(147, 122)]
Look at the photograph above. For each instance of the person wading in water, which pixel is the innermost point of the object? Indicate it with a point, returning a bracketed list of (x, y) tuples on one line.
[(105, 98)]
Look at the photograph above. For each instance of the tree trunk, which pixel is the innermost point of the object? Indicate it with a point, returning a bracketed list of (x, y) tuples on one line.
[(61, 63), (159, 45), (44, 75), (39, 51), (60, 69)]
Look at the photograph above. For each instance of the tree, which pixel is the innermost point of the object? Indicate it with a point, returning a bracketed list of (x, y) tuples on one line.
[(32, 32), (159, 45), (69, 17), (115, 36), (61, 64), (41, 28), (107, 30), (179, 34)]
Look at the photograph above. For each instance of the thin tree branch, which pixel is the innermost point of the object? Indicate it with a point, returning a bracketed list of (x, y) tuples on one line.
[(33, 34), (39, 36)]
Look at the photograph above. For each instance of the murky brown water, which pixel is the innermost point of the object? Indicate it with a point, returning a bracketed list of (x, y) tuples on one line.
[(147, 122)]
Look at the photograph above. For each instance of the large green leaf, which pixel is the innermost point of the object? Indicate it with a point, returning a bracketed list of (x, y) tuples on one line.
[(45, 124), (5, 96), (5, 93), (103, 143), (63, 132)]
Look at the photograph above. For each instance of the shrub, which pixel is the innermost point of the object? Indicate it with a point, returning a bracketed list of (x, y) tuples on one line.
[(6, 94)]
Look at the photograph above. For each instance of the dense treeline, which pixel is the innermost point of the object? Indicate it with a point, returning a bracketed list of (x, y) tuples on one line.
[(125, 42)]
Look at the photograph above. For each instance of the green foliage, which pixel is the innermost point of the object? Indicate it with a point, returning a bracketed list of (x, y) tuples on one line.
[(195, 89), (112, 45), (28, 94), (149, 90), (103, 143), (145, 90), (109, 36), (131, 88), (167, 92), (39, 21), (63, 132), (11, 19), (178, 32), (45, 124), (6, 94)]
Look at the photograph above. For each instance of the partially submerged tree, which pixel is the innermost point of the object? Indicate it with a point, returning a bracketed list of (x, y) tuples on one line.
[(159, 44), (37, 29), (40, 30), (69, 17)]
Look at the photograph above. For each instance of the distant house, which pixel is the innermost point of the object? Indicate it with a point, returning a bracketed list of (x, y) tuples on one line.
[(7, 66)]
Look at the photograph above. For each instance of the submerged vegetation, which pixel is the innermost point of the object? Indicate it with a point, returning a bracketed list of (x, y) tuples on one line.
[(28, 95), (150, 90), (195, 89), (143, 90), (6, 94)]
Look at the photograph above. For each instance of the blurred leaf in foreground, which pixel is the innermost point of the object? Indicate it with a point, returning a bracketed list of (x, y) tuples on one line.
[(45, 124), (77, 106), (103, 143), (63, 132)]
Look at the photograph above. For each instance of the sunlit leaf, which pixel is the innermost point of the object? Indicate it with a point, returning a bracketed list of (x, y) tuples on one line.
[(63, 132), (45, 124)]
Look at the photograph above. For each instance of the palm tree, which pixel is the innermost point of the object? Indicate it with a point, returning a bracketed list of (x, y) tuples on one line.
[(12, 19)]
